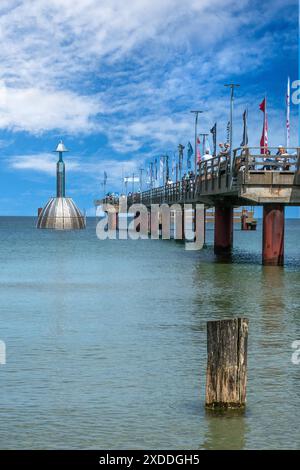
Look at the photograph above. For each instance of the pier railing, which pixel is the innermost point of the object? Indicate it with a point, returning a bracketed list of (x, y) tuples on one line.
[(252, 159), (218, 175)]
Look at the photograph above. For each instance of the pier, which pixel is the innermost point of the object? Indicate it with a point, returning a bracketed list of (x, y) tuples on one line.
[(249, 178)]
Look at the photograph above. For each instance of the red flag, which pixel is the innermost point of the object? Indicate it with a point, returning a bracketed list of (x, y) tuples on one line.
[(264, 136), (198, 151), (262, 105)]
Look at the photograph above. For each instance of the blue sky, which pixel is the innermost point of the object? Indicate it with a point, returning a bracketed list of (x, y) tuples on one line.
[(116, 81)]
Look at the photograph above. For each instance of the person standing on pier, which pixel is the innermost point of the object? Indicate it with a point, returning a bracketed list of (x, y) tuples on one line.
[(282, 159), (206, 158)]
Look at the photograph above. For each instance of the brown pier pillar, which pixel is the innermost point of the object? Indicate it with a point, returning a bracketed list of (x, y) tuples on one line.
[(226, 374), (204, 222), (137, 225), (244, 225), (113, 220), (223, 229), (273, 235), (149, 222), (183, 223)]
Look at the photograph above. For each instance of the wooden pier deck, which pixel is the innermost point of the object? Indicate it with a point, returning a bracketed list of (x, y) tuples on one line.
[(249, 179)]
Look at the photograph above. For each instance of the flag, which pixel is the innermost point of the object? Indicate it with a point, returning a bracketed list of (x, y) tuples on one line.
[(207, 145), (148, 175), (190, 152), (173, 165), (198, 151), (155, 169), (228, 132), (161, 169), (180, 156), (131, 179), (167, 168), (245, 130), (288, 113), (213, 131), (264, 136), (151, 174), (104, 177)]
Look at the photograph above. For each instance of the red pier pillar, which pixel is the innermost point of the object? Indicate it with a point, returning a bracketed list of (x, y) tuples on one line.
[(273, 235), (223, 230)]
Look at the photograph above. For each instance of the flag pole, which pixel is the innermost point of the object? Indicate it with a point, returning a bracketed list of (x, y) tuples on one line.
[(265, 124), (288, 114), (141, 179), (232, 87), (196, 112)]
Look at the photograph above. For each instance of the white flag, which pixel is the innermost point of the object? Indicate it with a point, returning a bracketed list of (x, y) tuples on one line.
[(161, 169)]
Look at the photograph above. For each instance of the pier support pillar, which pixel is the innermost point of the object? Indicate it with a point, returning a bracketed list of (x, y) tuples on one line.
[(137, 225), (183, 223), (273, 235), (223, 230), (113, 220), (149, 222), (204, 222), (244, 225)]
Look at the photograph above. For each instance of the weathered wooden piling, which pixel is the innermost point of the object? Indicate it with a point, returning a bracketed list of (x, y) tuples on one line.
[(226, 374)]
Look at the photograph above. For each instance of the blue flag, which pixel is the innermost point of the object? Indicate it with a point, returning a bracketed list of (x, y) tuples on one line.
[(190, 152), (155, 169)]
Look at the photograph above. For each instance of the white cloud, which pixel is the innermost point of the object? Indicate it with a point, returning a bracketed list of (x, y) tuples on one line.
[(43, 163), (90, 172), (121, 68), (36, 110)]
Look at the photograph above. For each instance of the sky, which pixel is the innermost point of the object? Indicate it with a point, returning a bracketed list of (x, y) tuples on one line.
[(116, 82)]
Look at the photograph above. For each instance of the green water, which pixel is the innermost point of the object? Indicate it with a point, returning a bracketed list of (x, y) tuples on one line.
[(106, 341)]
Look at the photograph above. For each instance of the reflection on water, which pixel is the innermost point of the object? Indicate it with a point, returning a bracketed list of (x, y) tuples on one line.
[(225, 430), (106, 341)]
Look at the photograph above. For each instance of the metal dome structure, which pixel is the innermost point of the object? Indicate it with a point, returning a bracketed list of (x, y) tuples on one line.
[(60, 212)]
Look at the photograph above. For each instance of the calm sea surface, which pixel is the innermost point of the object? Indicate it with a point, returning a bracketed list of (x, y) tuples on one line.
[(106, 341)]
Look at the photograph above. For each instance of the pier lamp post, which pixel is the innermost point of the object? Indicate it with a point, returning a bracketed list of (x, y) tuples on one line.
[(232, 87), (196, 112)]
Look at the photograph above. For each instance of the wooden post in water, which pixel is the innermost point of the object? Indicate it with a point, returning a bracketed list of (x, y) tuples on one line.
[(226, 374)]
